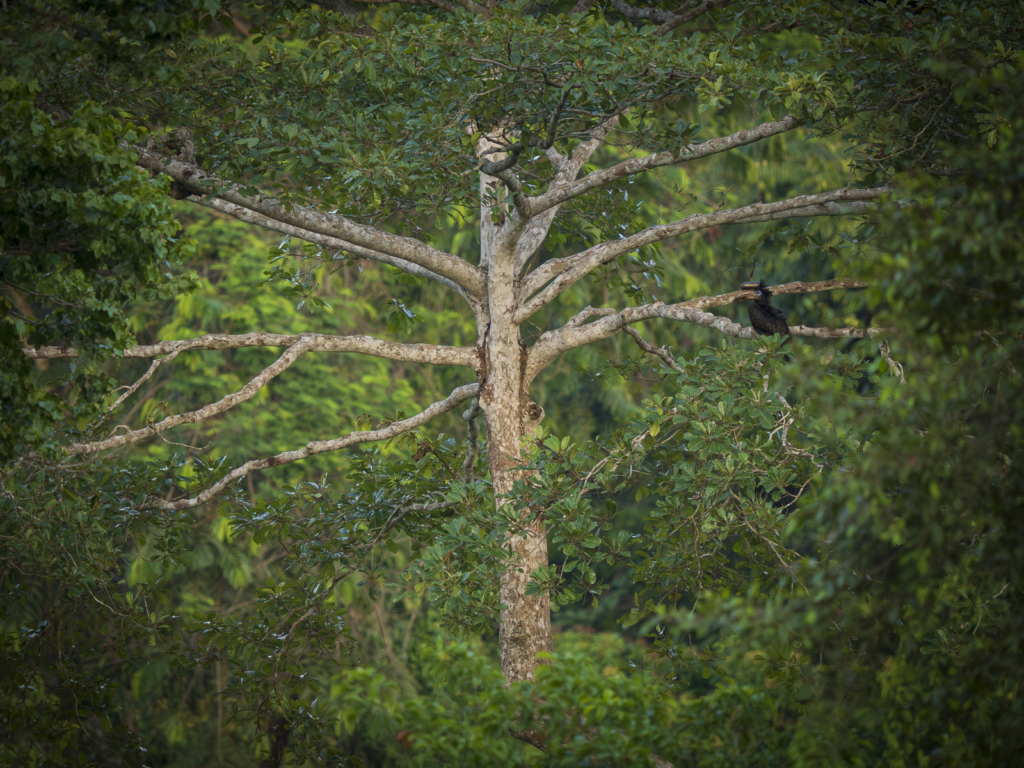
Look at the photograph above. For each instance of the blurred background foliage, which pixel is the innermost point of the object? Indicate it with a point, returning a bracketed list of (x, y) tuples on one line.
[(859, 600)]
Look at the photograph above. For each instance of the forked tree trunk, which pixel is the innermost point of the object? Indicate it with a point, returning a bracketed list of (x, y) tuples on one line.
[(509, 414)]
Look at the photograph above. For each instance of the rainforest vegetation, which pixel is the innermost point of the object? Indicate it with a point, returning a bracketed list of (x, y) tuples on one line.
[(377, 386)]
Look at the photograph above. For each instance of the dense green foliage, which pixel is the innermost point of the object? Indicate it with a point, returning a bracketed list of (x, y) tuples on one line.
[(83, 232), (798, 555)]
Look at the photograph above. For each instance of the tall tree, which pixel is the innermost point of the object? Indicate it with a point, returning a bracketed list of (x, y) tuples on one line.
[(354, 129)]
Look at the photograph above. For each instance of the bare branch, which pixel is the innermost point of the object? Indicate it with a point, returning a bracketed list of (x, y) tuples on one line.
[(255, 384), (565, 272), (837, 333), (586, 313), (798, 286), (653, 350), (687, 16), (459, 395), (811, 211), (317, 342), (553, 343), (334, 243), (895, 367), (130, 390), (198, 182), (639, 165)]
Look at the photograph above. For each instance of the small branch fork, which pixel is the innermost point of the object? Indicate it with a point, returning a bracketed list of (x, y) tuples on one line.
[(282, 363), (528, 207), (564, 187), (895, 367), (568, 168), (459, 395), (785, 421), (130, 390), (653, 350)]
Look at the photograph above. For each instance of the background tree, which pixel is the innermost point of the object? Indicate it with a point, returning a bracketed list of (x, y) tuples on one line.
[(325, 141)]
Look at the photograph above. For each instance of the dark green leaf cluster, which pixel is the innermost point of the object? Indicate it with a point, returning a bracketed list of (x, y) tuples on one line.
[(76, 617), (725, 457), (83, 233), (904, 642)]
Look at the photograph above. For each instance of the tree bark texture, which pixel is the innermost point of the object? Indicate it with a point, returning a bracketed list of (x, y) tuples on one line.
[(525, 621)]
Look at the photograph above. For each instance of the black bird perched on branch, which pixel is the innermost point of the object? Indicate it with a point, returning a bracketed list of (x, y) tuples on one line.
[(765, 318)]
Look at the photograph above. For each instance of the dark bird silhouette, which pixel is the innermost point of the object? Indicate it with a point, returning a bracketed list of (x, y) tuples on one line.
[(765, 318)]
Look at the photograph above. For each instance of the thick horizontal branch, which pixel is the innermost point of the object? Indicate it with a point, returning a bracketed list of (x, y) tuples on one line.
[(458, 396), (280, 365), (856, 208), (837, 333), (198, 182), (334, 243), (565, 272), (638, 165), (573, 334), (316, 342), (798, 286)]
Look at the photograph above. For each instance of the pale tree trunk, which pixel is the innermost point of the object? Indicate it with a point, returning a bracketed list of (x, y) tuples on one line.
[(509, 413)]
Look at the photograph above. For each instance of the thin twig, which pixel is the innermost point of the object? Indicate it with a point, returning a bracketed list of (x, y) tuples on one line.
[(893, 365), (472, 439), (130, 390), (652, 350)]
